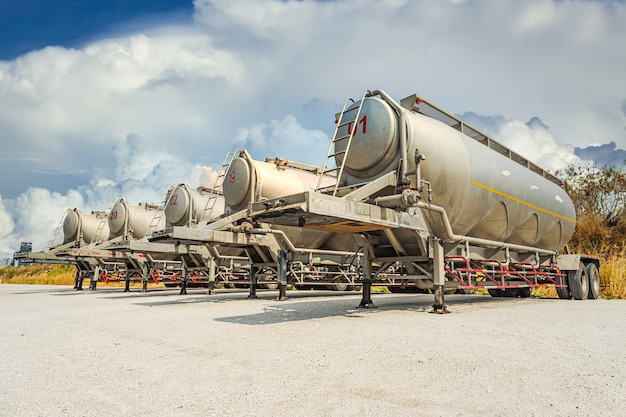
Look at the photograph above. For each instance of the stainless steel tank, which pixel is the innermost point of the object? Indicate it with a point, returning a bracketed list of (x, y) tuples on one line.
[(93, 227), (187, 205), (248, 180), (486, 194), (134, 220)]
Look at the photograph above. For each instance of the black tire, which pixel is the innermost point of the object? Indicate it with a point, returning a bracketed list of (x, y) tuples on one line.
[(270, 286), (564, 293), (494, 292), (523, 292), (578, 283), (338, 286), (594, 281)]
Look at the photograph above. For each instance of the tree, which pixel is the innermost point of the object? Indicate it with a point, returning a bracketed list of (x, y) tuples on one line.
[(599, 196)]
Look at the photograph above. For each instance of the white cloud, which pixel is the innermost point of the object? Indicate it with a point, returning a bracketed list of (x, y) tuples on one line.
[(8, 244), (131, 114), (533, 139), (280, 138), (38, 213)]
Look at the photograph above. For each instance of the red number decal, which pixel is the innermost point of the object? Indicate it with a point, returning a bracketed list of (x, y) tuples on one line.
[(231, 177), (174, 199), (113, 215), (363, 121)]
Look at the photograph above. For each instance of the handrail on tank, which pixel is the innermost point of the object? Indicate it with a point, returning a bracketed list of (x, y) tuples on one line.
[(470, 131), (452, 237)]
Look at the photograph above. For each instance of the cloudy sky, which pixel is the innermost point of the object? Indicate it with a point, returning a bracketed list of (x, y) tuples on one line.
[(109, 98)]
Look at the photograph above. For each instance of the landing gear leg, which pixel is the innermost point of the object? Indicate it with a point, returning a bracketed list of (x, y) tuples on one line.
[(439, 278), (77, 281), (81, 279), (282, 275), (94, 278), (366, 301), (211, 283), (253, 282), (183, 282)]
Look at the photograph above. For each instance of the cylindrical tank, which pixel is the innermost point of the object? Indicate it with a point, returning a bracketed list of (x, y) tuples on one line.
[(93, 227), (187, 205), (248, 180), (134, 220), (486, 194)]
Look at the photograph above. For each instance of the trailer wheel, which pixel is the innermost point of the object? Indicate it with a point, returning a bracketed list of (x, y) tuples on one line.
[(594, 281), (338, 286), (563, 293), (270, 286), (578, 283), (494, 292)]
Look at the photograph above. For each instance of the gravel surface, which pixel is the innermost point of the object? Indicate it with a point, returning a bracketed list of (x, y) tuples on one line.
[(109, 353)]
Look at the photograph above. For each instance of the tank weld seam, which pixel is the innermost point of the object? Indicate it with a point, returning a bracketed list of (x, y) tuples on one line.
[(517, 200)]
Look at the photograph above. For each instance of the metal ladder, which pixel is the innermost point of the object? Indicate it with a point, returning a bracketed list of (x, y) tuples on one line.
[(158, 214), (57, 229), (104, 220), (352, 128), (215, 191)]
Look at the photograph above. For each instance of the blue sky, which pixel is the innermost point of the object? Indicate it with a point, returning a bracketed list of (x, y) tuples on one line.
[(106, 99), (26, 25)]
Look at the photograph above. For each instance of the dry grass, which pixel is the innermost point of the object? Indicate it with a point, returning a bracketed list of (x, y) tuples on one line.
[(613, 275), (51, 275), (38, 274)]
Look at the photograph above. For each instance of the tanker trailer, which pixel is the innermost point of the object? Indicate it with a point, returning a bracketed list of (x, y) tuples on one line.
[(88, 227), (187, 206), (450, 203), (128, 221), (479, 191), (249, 181), (487, 192)]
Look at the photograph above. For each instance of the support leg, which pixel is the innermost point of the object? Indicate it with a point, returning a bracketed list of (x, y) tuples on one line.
[(81, 279), (127, 283), (211, 283), (77, 280), (282, 275), (439, 278), (183, 281), (253, 281), (145, 276), (366, 301), (94, 278), (183, 286)]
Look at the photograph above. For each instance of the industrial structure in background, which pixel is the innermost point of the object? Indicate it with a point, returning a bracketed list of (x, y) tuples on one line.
[(408, 196), (21, 257)]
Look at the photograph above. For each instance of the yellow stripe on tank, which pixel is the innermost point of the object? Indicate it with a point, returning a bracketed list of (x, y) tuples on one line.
[(517, 200)]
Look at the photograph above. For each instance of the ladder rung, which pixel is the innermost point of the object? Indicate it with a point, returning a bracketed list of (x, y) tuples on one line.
[(330, 170), (337, 153), (347, 123), (340, 138)]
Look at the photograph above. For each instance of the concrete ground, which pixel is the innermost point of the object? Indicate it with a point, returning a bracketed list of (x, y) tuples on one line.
[(105, 353)]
